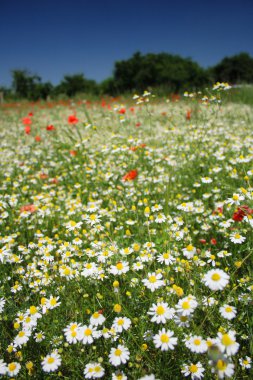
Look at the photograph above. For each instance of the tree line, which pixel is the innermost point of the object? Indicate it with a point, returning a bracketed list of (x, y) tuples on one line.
[(167, 73)]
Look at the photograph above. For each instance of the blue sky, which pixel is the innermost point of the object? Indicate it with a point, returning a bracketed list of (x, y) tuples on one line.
[(56, 37)]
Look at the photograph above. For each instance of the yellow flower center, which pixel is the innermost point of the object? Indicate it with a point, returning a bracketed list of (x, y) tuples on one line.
[(12, 367), (119, 266), (66, 272), (120, 322), (226, 340), (164, 338), (189, 247), (96, 315), (221, 365), (193, 368), (237, 236), (88, 332), (51, 360), (152, 279), (21, 334), (73, 333), (53, 302), (216, 277), (118, 352), (33, 310), (160, 310), (197, 342), (97, 369), (186, 305), (228, 309)]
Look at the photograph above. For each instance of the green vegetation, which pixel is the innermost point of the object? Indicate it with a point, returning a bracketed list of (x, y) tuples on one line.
[(164, 73), (126, 239)]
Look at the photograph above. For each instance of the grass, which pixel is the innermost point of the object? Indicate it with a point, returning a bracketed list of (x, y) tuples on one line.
[(93, 213)]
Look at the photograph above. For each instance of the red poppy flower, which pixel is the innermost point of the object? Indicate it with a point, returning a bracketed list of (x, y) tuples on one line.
[(30, 114), (213, 241), (188, 115), (54, 180), (27, 121), (29, 208), (241, 212), (203, 241), (138, 125), (122, 111), (27, 129), (43, 176), (50, 128), (37, 138), (73, 152), (130, 175), (72, 119)]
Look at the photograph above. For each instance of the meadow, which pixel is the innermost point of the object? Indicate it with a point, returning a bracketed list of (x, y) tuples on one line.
[(126, 238)]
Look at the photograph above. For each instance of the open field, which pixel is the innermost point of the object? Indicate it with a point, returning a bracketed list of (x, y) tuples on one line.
[(126, 240)]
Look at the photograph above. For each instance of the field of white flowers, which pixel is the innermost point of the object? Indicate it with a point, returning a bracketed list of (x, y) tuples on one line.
[(126, 239)]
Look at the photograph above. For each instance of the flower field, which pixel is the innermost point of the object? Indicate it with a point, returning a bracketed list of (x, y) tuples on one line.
[(126, 239)]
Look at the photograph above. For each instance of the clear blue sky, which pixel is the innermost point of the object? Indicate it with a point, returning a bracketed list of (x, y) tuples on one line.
[(56, 37)]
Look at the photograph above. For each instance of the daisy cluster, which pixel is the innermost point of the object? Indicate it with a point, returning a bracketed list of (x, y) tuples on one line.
[(126, 240)]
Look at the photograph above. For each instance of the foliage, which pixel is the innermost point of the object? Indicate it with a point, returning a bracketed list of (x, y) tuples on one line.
[(151, 70), (167, 73), (76, 84), (235, 69)]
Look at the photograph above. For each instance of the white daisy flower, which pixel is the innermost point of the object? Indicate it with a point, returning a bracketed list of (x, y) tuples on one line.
[(189, 251), (52, 302), (186, 305), (22, 338), (154, 281), (97, 319), (119, 355), (237, 238), (119, 268), (93, 371), (182, 320), (86, 334), (216, 279), (2, 303), (223, 369), (227, 343), (70, 332), (236, 199), (119, 375), (121, 323), (3, 367), (245, 363), (166, 258), (165, 340), (13, 369), (51, 362), (161, 312), (196, 344), (196, 371), (227, 312)]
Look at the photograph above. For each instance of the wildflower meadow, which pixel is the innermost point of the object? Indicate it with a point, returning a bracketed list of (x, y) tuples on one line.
[(126, 238)]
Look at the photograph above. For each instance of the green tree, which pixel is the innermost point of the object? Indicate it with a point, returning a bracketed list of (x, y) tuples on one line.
[(75, 84), (24, 83), (235, 69)]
